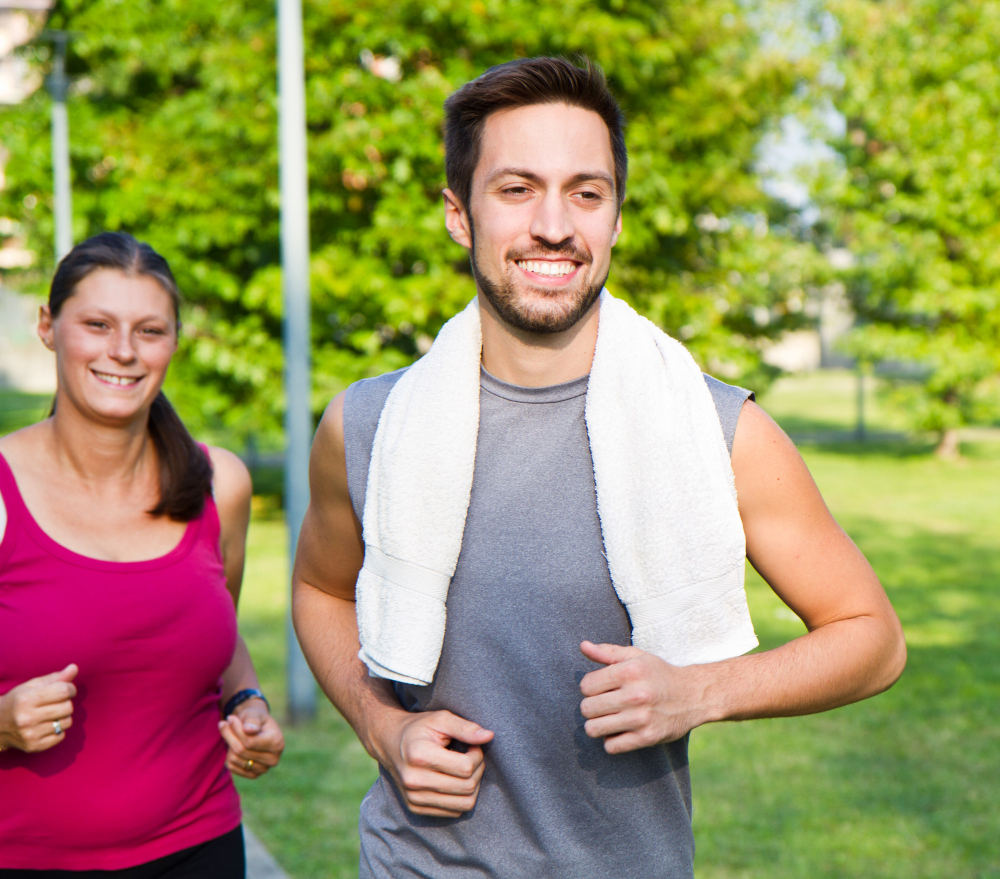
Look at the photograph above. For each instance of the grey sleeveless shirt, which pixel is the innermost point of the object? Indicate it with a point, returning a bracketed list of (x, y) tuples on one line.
[(531, 583)]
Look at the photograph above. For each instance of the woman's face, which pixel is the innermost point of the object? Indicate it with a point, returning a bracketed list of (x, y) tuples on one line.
[(113, 339)]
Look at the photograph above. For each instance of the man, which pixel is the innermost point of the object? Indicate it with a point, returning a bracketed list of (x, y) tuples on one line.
[(545, 744)]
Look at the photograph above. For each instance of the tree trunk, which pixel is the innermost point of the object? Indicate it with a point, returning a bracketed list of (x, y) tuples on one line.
[(948, 448)]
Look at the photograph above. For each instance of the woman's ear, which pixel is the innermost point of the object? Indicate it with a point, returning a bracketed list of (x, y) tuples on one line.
[(46, 327)]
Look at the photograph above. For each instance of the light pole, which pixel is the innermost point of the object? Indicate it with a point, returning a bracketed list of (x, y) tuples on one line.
[(294, 181), (58, 85)]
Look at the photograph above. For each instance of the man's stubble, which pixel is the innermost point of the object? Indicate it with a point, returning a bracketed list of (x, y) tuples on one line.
[(504, 296)]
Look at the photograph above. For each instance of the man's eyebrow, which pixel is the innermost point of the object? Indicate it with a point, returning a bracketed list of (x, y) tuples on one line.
[(575, 180), (513, 172), (588, 176)]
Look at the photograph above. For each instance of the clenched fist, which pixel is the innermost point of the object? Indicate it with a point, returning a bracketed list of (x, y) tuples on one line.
[(35, 715)]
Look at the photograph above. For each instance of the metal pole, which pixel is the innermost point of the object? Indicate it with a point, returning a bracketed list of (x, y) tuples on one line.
[(294, 180), (859, 430), (62, 191)]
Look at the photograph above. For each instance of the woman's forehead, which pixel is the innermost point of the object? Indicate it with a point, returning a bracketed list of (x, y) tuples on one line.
[(114, 291)]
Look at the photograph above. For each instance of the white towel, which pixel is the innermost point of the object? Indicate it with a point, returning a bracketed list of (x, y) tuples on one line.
[(666, 498)]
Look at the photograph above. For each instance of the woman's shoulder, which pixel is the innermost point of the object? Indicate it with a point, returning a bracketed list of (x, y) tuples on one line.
[(27, 440), (17, 447), (230, 477)]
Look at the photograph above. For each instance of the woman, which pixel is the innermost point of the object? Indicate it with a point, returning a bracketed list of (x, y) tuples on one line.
[(120, 567)]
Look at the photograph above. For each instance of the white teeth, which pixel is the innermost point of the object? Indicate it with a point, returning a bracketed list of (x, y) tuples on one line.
[(544, 267), (116, 379)]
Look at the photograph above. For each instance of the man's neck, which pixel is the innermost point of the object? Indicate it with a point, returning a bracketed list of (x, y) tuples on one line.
[(536, 360)]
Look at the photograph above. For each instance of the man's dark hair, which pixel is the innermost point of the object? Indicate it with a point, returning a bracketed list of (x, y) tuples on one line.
[(522, 83)]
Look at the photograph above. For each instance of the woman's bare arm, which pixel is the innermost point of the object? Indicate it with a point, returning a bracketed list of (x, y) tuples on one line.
[(254, 737)]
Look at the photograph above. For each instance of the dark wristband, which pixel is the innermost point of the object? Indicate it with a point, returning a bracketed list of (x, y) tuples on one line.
[(241, 697)]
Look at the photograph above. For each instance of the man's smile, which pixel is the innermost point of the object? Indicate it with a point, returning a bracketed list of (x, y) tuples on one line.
[(548, 269), (545, 267)]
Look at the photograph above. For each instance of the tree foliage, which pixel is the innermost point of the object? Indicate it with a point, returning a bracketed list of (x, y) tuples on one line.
[(919, 204), (173, 126)]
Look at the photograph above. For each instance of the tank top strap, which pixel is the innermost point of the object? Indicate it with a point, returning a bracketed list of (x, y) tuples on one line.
[(11, 494), (15, 510)]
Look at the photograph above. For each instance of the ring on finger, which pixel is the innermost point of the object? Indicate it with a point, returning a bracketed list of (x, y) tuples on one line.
[(248, 765), (57, 727)]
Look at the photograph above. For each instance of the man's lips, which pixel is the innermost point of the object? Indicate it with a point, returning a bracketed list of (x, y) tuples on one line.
[(548, 269)]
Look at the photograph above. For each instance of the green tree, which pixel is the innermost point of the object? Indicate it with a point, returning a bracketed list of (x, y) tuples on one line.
[(173, 125), (919, 202)]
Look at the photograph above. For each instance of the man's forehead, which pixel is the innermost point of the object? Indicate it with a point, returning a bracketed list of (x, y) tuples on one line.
[(547, 140)]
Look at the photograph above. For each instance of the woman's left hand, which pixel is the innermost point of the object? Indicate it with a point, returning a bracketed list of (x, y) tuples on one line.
[(254, 738)]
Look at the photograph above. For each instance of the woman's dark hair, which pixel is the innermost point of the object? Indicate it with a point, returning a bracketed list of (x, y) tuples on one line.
[(185, 470), (522, 83)]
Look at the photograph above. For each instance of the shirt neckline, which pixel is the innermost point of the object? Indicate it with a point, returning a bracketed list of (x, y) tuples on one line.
[(41, 537), (576, 387)]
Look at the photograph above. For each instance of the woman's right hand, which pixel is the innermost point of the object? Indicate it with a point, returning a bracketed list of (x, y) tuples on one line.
[(29, 712)]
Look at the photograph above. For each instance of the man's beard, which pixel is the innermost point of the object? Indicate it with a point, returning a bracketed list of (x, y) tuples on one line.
[(503, 295)]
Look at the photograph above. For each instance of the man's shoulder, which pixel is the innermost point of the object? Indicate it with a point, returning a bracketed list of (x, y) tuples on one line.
[(729, 400), (367, 397), (722, 391)]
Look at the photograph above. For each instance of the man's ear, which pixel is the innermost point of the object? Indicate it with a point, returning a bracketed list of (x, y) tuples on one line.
[(456, 220), (46, 332)]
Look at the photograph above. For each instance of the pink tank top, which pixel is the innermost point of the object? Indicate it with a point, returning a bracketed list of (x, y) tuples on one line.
[(141, 773)]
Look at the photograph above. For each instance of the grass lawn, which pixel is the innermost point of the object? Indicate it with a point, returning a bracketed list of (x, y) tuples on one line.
[(18, 409)]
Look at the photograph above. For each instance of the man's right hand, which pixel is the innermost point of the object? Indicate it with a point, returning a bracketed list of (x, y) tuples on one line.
[(432, 779), (28, 712), (413, 747)]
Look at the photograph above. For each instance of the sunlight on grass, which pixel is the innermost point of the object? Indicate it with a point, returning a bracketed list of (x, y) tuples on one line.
[(825, 402)]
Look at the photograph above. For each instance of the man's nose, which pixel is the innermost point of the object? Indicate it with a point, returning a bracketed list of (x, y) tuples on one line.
[(552, 222)]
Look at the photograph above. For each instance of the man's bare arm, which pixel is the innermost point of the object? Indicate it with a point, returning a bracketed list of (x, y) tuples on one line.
[(413, 747), (854, 647)]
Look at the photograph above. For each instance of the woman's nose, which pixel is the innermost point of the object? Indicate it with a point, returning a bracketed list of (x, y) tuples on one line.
[(122, 349)]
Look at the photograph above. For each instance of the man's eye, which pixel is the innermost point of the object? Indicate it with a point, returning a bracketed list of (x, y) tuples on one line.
[(96, 324), (590, 196), (515, 190)]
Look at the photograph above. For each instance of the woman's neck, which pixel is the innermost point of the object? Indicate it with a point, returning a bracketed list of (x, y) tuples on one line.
[(94, 452)]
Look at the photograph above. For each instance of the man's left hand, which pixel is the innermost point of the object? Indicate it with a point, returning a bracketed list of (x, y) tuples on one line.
[(639, 700)]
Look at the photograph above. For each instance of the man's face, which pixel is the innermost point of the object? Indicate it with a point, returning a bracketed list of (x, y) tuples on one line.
[(543, 215)]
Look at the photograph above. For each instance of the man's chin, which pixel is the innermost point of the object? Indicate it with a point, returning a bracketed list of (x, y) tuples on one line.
[(541, 310)]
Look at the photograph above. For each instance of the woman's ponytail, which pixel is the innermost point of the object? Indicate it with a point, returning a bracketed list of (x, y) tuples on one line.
[(185, 470)]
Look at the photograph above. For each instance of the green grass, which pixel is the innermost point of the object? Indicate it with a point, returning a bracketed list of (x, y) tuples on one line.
[(18, 409), (824, 405), (902, 785), (305, 811)]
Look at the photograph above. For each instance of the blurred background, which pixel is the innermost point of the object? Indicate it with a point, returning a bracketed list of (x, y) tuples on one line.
[(813, 208)]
